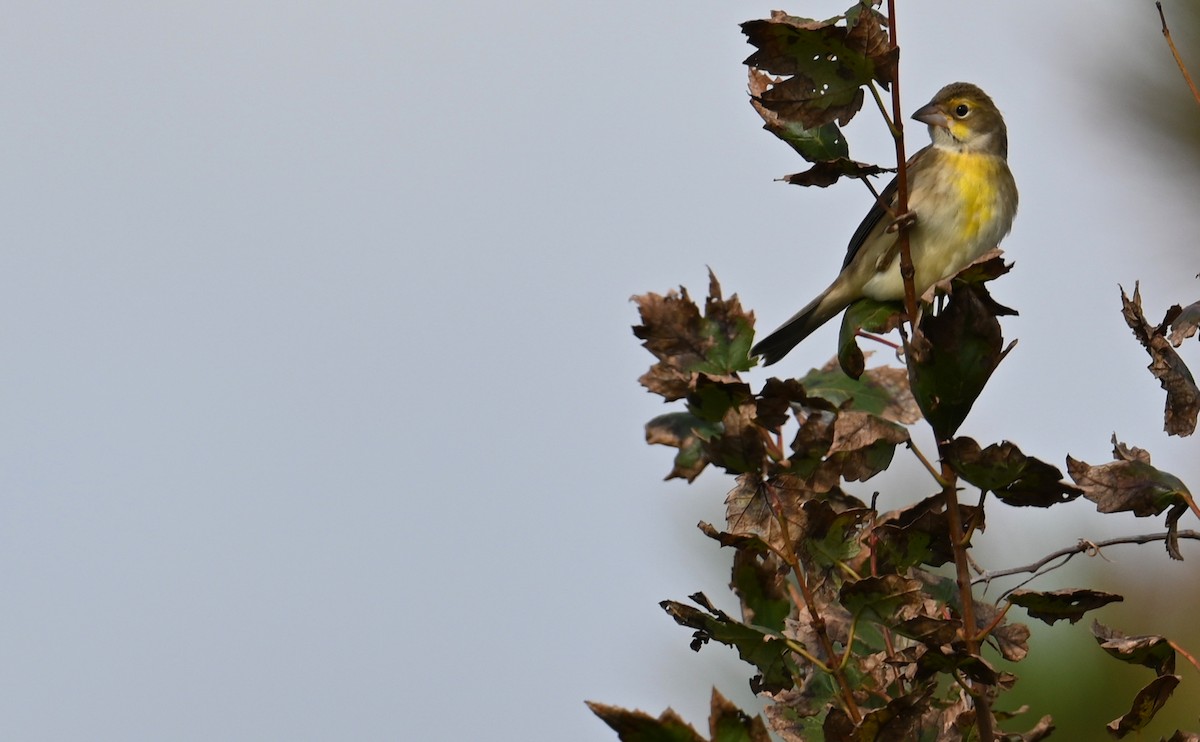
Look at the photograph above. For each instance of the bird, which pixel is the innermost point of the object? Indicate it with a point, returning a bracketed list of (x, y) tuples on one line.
[(962, 195)]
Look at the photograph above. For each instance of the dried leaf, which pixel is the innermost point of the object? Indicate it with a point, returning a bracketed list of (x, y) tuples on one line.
[(1145, 705), (684, 342), (684, 431), (727, 722), (638, 726), (825, 64), (1070, 604), (1184, 325), (1129, 483), (1150, 651), (774, 403), (1183, 396), (918, 534), (880, 598)]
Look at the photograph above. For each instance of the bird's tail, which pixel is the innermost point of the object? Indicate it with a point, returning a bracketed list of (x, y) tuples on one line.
[(801, 325)]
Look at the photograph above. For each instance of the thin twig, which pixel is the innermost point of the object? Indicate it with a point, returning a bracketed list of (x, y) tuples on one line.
[(818, 622), (907, 272), (1082, 547), (924, 461), (1187, 655), (1175, 52)]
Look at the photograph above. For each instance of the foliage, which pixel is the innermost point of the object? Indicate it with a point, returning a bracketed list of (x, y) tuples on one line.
[(851, 630)]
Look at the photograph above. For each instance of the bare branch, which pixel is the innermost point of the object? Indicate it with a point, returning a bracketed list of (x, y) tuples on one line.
[(1178, 60), (1091, 548)]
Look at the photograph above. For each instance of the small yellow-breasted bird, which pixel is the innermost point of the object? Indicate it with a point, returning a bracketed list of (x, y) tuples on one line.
[(962, 194)]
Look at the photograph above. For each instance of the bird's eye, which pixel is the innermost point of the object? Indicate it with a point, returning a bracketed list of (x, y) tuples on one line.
[(961, 110)]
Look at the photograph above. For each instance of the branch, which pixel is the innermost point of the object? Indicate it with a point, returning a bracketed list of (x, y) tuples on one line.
[(1175, 52), (1092, 548), (907, 272)]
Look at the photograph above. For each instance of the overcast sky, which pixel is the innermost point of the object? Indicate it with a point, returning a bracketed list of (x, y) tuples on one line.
[(320, 406)]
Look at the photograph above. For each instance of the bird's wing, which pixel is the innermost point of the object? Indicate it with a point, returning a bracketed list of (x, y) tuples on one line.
[(874, 216), (871, 221)]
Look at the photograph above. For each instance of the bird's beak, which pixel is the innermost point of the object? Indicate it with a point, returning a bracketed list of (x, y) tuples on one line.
[(932, 115)]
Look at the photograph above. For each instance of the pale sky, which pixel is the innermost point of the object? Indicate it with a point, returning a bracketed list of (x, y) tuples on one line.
[(320, 401)]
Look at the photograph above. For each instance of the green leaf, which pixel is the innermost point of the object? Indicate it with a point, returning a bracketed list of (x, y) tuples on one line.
[(758, 578), (952, 356), (881, 391), (870, 316), (1146, 704), (1017, 479), (684, 431), (764, 649)]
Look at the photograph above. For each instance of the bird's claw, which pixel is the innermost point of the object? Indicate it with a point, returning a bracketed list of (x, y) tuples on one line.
[(902, 221)]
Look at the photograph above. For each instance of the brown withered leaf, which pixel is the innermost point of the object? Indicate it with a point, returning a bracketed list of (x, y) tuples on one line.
[(929, 630), (640, 725), (1182, 736), (755, 507), (826, 65), (1150, 651), (1069, 604), (685, 342), (680, 430), (918, 534), (836, 618), (849, 445), (1183, 396), (671, 330), (1145, 705), (1040, 731), (737, 445), (774, 402), (1184, 324), (880, 599), (1129, 483), (1011, 639), (898, 720), (863, 444), (726, 720)]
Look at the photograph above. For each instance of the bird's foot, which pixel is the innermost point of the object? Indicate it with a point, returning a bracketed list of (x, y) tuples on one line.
[(902, 221)]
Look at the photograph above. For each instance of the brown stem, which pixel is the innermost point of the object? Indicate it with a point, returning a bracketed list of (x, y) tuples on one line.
[(958, 544), (1083, 547), (818, 623), (897, 126), (1175, 52), (1185, 654)]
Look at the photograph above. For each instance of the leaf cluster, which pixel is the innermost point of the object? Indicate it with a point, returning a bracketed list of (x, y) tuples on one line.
[(851, 629)]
